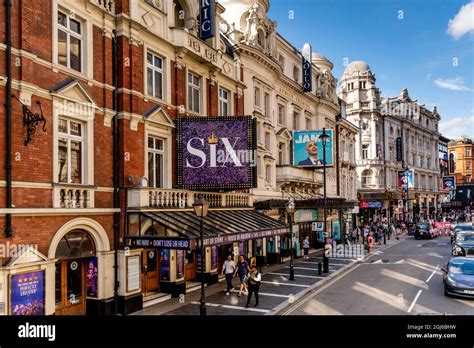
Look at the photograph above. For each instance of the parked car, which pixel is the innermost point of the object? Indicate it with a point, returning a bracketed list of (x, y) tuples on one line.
[(463, 244), (458, 277), (460, 228), (424, 231)]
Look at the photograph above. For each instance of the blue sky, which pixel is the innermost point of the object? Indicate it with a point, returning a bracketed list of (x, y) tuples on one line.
[(406, 43)]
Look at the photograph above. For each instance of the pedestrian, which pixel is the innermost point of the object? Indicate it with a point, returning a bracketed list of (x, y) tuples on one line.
[(306, 247), (354, 234), (242, 270), (254, 279), (228, 269), (370, 243)]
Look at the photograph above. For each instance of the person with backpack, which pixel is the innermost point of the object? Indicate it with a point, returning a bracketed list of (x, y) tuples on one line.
[(253, 280), (242, 270)]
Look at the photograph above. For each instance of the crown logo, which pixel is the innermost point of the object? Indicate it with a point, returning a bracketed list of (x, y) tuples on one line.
[(213, 139)]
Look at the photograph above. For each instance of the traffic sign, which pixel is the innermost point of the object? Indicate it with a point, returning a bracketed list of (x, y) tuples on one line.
[(318, 226)]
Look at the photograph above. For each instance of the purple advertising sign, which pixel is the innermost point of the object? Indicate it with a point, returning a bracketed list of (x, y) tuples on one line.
[(92, 277), (214, 257), (27, 294), (216, 152), (165, 265)]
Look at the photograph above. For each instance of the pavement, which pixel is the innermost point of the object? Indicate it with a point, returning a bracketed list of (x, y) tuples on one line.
[(276, 291), (402, 279)]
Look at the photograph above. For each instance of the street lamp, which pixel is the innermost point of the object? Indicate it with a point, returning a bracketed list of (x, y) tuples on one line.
[(200, 209), (324, 138), (290, 209)]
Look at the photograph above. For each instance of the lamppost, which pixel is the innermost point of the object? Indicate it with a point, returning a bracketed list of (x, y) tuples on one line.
[(324, 138), (290, 209), (200, 209)]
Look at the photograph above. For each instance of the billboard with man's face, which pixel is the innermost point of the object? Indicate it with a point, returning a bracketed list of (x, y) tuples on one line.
[(216, 152), (308, 149), (406, 177)]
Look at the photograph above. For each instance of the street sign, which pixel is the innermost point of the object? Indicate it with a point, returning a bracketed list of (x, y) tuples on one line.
[(400, 203), (318, 226)]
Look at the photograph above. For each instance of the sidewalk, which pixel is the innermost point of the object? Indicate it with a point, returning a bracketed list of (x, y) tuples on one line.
[(171, 304)]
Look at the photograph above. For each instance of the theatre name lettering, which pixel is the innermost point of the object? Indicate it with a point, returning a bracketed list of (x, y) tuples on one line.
[(244, 236)]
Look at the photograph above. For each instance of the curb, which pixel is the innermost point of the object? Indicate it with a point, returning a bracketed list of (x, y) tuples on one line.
[(279, 310)]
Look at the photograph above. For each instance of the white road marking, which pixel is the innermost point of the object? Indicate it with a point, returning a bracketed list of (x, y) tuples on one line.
[(343, 262), (432, 274), (304, 268), (296, 275), (288, 284), (266, 294), (414, 300), (233, 307)]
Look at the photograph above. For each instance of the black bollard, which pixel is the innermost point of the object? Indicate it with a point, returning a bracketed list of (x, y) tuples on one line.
[(320, 268), (326, 265), (384, 238)]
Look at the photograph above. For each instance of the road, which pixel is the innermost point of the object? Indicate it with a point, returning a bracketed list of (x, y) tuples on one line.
[(403, 279)]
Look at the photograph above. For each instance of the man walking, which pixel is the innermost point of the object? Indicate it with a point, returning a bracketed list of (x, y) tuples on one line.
[(228, 269), (254, 285), (242, 270)]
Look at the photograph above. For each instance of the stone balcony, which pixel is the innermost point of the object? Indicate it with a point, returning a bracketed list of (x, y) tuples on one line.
[(157, 198), (287, 173)]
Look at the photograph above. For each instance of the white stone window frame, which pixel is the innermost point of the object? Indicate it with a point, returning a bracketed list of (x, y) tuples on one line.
[(165, 135), (87, 121), (163, 71), (257, 93), (199, 87), (285, 113), (227, 101), (87, 39)]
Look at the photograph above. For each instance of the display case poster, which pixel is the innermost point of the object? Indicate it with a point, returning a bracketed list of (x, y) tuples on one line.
[(199, 262), (214, 257), (179, 264), (165, 264), (92, 277), (27, 293), (336, 230), (133, 273)]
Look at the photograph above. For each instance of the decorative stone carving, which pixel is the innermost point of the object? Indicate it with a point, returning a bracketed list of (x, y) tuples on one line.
[(252, 20), (271, 44)]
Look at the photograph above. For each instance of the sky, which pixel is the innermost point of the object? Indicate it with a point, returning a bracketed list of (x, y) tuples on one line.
[(426, 46)]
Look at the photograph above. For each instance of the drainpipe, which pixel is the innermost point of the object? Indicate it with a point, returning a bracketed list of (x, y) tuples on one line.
[(116, 166), (8, 117)]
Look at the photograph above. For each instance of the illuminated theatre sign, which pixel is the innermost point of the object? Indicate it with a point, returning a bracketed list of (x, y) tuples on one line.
[(216, 152)]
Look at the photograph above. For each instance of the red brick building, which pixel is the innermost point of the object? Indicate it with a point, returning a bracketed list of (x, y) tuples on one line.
[(60, 194)]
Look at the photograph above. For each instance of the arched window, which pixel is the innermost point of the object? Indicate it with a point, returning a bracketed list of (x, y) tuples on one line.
[(366, 178), (75, 244)]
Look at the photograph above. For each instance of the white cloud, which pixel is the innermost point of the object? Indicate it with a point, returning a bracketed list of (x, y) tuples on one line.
[(463, 22), (457, 126), (456, 84)]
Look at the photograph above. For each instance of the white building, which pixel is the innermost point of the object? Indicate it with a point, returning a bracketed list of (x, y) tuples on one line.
[(381, 121)]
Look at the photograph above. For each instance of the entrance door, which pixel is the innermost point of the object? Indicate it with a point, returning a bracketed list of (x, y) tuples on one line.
[(190, 269), (71, 287), (151, 264)]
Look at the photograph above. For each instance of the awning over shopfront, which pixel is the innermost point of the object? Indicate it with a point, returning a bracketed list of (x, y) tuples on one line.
[(310, 203), (219, 227)]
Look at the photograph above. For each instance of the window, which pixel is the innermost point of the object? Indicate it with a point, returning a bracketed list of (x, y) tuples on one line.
[(194, 93), (70, 151), (468, 165), (420, 161), (468, 152), (365, 151), (224, 102), (308, 124), (154, 75), (392, 154), (155, 162), (296, 123), (428, 162), (362, 85), (296, 73), (266, 100), (69, 42), (257, 97), (468, 178), (350, 86), (268, 173), (413, 159), (267, 140), (366, 178), (281, 114), (281, 153)]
